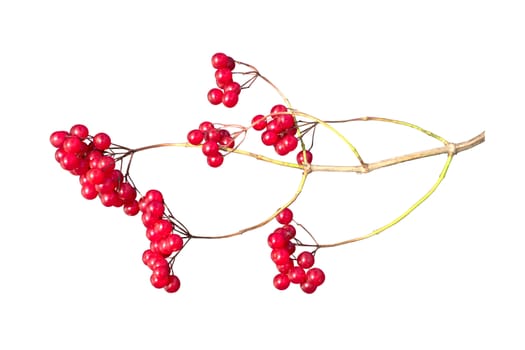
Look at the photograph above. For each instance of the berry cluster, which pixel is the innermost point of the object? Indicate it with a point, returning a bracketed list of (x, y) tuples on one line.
[(163, 241), (211, 140), (88, 157), (279, 131), (91, 158), (227, 91), (298, 270)]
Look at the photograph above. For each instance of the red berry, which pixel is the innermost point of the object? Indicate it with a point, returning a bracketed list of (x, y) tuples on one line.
[(117, 202), (290, 142), (210, 148), (277, 239), (278, 109), (230, 99), (106, 186), (227, 141), (215, 161), (224, 133), (286, 120), (163, 247), (131, 208), (109, 199), (230, 64), (289, 231), (306, 260), (81, 168), (148, 220), (223, 77), (101, 141), (155, 208), (300, 157), (93, 157), (59, 154), (95, 176), (259, 122), (281, 281), (69, 161), (176, 242), (219, 60), (290, 247), (286, 267), (316, 276), (213, 135), (80, 131), (215, 96), (159, 280), (161, 229), (269, 138), (275, 126), (88, 191), (147, 256), (173, 284), (154, 246), (308, 287), (57, 138), (280, 148), (83, 179), (127, 192), (297, 275), (280, 256), (285, 216), (154, 260), (154, 195), (233, 87), (116, 176), (106, 164), (206, 126), (195, 137), (73, 144)]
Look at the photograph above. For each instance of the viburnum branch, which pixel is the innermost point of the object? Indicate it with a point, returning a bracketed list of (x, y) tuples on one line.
[(103, 168)]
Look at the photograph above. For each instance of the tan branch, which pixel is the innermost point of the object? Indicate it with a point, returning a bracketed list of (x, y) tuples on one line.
[(453, 148)]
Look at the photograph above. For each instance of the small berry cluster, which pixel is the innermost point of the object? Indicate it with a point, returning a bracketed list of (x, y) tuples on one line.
[(227, 91), (298, 270), (280, 131), (163, 241), (88, 157), (211, 140)]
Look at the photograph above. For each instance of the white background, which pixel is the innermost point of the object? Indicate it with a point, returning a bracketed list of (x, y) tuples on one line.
[(447, 277)]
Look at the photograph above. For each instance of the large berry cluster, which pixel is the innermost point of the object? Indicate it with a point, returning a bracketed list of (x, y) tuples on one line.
[(297, 270), (163, 241), (227, 91), (91, 158)]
